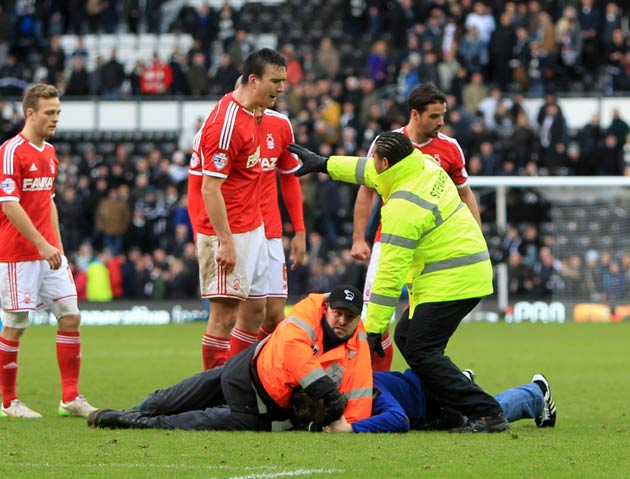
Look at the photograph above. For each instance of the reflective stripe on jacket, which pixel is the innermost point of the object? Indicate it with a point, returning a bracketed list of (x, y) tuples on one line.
[(430, 240), (293, 356)]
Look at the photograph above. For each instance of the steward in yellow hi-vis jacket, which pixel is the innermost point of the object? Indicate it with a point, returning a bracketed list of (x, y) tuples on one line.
[(431, 242)]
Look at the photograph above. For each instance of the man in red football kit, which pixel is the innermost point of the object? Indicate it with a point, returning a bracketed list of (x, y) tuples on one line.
[(34, 272), (427, 105), (233, 260), (276, 134)]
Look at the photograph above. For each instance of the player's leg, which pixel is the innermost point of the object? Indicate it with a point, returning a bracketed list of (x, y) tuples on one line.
[(196, 392), (18, 283), (277, 298), (256, 283), (225, 293), (521, 402), (378, 363), (58, 293)]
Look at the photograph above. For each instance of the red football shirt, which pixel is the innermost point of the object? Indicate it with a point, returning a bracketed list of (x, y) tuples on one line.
[(27, 175), (446, 151), (229, 149), (276, 134), (195, 178)]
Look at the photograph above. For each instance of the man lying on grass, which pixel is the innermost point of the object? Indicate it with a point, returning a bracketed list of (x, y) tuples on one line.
[(320, 347)]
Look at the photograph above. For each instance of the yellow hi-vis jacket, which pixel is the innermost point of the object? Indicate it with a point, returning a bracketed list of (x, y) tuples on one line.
[(430, 239)]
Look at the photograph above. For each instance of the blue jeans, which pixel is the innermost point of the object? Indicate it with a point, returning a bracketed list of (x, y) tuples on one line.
[(521, 402)]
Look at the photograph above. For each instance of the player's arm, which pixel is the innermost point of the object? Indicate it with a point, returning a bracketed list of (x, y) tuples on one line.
[(468, 197), (54, 218), (362, 210), (217, 213), (292, 197), (20, 220)]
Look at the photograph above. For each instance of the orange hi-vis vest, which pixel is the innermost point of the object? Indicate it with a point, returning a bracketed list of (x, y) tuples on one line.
[(293, 355)]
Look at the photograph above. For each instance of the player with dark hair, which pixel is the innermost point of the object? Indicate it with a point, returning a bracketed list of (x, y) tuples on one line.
[(430, 241), (233, 260), (34, 271), (427, 106), (320, 347)]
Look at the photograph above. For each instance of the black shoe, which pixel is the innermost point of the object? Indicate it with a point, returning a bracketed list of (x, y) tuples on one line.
[(548, 416), (103, 417), (496, 423), (118, 419)]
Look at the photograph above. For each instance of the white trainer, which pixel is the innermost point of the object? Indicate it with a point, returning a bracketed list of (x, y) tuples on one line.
[(77, 407), (18, 409)]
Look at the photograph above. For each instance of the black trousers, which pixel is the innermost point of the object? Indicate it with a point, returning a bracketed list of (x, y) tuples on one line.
[(422, 339), (220, 399)]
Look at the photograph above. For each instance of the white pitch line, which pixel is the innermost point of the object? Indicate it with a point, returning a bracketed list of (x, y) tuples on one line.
[(298, 472)]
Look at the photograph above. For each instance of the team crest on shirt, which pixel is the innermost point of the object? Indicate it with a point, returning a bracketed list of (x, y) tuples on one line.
[(8, 185), (52, 166), (237, 283), (194, 160), (271, 143), (219, 160), (437, 158)]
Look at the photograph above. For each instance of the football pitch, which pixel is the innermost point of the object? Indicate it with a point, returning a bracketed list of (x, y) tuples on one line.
[(588, 366)]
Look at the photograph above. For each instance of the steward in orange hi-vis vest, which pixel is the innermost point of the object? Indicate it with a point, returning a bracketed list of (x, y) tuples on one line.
[(307, 350)]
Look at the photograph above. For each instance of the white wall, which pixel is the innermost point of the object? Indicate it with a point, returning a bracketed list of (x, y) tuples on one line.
[(176, 115)]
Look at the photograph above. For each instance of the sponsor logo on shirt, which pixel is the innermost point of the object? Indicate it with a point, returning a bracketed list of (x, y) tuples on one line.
[(8, 185), (33, 167), (38, 184), (268, 164), (253, 159), (219, 160)]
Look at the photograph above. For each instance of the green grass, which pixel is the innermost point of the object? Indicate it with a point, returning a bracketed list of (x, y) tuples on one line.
[(587, 365)]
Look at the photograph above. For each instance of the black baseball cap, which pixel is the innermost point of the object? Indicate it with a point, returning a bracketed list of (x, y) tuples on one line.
[(347, 297)]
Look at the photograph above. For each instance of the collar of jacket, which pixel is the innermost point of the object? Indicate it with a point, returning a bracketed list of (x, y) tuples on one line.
[(406, 169)]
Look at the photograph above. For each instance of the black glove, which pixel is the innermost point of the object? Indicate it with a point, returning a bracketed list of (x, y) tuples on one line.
[(374, 340), (334, 402), (311, 161), (334, 405)]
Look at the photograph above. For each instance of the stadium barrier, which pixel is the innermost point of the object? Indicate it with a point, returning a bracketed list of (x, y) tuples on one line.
[(178, 114)]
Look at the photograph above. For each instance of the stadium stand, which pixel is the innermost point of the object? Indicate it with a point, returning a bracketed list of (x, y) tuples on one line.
[(338, 107)]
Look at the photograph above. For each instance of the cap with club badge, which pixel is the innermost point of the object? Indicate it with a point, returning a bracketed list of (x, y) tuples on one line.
[(347, 297)]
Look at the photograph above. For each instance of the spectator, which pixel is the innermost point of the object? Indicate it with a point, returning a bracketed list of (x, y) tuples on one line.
[(72, 219), (473, 52), (328, 56), (98, 287), (197, 76), (377, 63), (156, 78), (112, 219), (474, 92), (112, 76)]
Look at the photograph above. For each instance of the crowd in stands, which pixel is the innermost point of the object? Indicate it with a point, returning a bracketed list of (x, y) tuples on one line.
[(350, 67)]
